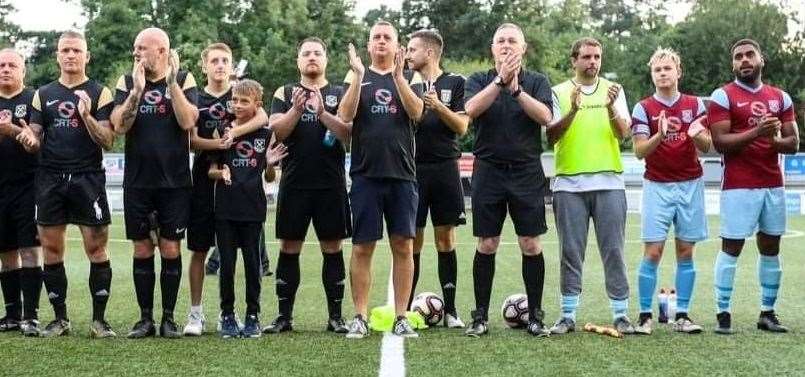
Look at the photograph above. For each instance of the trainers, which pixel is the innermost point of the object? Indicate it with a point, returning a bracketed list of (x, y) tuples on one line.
[(229, 327), (195, 324), (221, 318), (478, 327), (724, 324), (169, 329), (30, 327), (358, 329), (563, 325), (251, 327), (535, 325), (280, 324), (56, 327), (403, 328), (644, 324), (768, 322), (266, 269), (337, 325), (623, 325), (101, 329), (9, 324), (452, 321), (142, 329), (685, 325)]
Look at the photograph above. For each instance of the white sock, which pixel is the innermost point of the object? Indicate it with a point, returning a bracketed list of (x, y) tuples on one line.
[(196, 309)]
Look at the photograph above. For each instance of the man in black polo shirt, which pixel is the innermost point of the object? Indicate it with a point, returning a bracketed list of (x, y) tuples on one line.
[(508, 105), (155, 109), (21, 274), (71, 118), (437, 154), (313, 185), (382, 105)]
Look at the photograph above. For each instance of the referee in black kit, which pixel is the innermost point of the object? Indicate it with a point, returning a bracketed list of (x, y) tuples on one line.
[(508, 106)]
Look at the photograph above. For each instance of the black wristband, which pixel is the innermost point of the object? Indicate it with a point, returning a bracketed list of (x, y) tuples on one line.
[(516, 93)]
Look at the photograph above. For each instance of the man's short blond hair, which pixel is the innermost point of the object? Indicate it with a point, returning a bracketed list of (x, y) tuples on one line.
[(215, 46), (665, 53)]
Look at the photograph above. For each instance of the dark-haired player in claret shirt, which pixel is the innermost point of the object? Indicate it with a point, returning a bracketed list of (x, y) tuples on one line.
[(751, 123), (155, 109), (21, 274), (667, 131), (240, 208), (437, 153), (215, 112), (71, 120), (313, 183)]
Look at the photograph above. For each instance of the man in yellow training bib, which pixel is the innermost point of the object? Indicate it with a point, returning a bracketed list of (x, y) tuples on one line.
[(590, 120)]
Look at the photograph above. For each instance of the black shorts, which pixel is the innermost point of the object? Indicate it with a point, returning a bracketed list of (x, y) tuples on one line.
[(17, 225), (328, 209), (171, 205), (71, 198), (374, 199), (518, 188), (439, 187), (201, 225)]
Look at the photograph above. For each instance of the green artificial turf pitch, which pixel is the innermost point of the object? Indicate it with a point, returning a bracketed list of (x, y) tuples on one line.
[(310, 351)]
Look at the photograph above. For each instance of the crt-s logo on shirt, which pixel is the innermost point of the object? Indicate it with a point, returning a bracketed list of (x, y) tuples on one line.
[(66, 110), (247, 153), (153, 103), (383, 102)]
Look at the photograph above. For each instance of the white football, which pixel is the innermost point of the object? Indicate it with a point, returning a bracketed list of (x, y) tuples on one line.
[(515, 310), (430, 306)]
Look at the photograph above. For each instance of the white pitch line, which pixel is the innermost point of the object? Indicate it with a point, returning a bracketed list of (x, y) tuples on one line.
[(392, 349)]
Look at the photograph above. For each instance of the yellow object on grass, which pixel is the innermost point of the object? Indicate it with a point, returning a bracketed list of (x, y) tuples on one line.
[(382, 318)]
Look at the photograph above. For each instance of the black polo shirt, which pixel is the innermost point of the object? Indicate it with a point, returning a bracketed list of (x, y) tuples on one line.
[(311, 164), (16, 165), (157, 148), (382, 133), (435, 141), (504, 134)]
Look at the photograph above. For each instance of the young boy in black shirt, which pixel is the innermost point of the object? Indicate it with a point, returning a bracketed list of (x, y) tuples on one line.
[(240, 207)]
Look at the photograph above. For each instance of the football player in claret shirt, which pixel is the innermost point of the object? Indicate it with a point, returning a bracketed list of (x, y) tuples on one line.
[(155, 109), (667, 131), (19, 246), (240, 207), (71, 120), (215, 112), (751, 124), (313, 183), (437, 153)]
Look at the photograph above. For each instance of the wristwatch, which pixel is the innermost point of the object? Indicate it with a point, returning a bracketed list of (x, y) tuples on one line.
[(499, 81)]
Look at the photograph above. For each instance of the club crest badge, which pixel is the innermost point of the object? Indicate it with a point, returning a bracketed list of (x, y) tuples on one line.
[(330, 100), (20, 111), (687, 116), (259, 145), (774, 106), (446, 95)]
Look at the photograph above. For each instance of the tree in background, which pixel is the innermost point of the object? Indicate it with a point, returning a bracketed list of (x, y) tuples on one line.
[(8, 29), (265, 32)]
